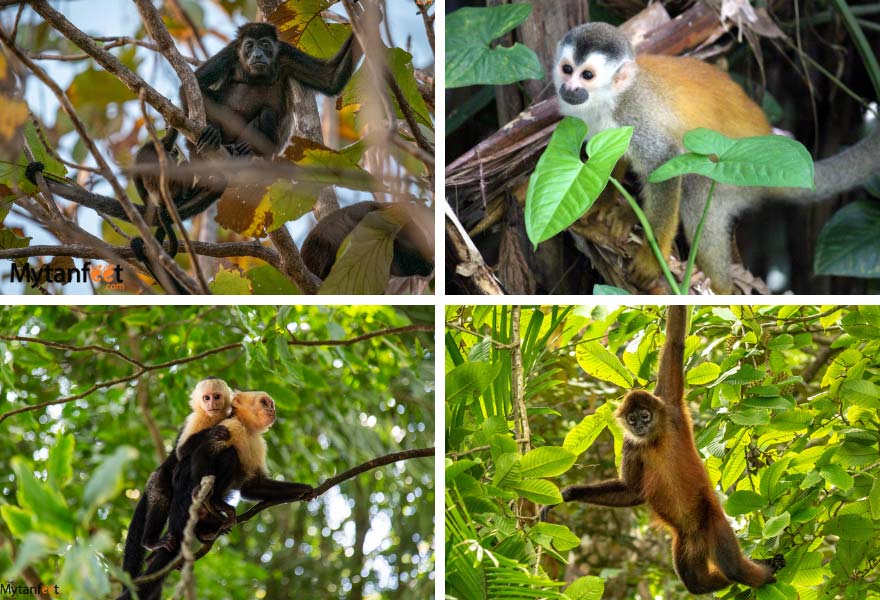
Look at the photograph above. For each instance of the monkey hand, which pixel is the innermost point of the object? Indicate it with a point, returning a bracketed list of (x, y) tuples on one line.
[(210, 139), (240, 149), (776, 563), (545, 512), (32, 169), (645, 271), (219, 434)]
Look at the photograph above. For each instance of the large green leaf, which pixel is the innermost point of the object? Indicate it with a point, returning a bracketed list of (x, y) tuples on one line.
[(849, 245), (363, 262), (539, 491), (471, 58), (582, 435), (744, 501), (470, 378), (560, 536), (546, 461), (563, 188), (588, 587), (597, 361), (765, 161)]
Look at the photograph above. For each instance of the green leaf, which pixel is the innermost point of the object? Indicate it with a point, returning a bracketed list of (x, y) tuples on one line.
[(775, 525), (848, 245), (546, 461), (35, 497), (874, 500), (765, 161), (850, 527), (837, 476), (597, 361), (810, 571), (608, 290), (363, 262), (60, 466), (470, 377), (703, 373), (508, 470), (563, 188), (107, 478), (589, 587), (539, 491), (585, 433), (561, 537), (19, 521), (742, 502), (470, 57)]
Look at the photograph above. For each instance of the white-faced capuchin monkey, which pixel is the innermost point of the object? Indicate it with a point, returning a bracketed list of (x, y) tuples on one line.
[(211, 402), (662, 468), (599, 79), (234, 452)]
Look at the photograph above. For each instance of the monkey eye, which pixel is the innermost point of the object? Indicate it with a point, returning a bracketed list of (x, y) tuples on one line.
[(587, 74), (567, 69), (248, 45), (206, 397)]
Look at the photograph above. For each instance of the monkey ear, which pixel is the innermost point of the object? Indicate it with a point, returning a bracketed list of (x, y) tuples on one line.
[(624, 76)]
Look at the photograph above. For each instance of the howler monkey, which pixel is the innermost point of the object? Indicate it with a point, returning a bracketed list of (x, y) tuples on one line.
[(246, 87), (661, 467), (413, 245), (211, 402), (235, 453)]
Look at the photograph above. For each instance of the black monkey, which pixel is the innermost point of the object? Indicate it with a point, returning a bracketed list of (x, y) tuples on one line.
[(211, 402), (413, 251), (245, 85), (189, 196), (235, 453)]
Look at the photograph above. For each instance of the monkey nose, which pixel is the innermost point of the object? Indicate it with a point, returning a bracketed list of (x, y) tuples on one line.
[(573, 96)]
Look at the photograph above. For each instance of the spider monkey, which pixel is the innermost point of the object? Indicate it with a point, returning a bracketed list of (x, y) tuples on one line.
[(413, 245), (661, 467), (234, 451), (190, 197), (211, 402), (246, 87)]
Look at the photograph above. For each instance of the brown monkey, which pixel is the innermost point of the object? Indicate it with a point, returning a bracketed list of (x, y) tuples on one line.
[(661, 468)]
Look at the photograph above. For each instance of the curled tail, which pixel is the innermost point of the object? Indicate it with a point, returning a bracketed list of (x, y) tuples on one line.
[(839, 173)]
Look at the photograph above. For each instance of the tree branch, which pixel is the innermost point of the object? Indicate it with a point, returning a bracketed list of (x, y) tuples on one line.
[(146, 368)]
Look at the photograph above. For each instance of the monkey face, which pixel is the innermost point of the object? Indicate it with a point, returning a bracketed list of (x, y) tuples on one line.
[(639, 421), (257, 56), (212, 396), (255, 409)]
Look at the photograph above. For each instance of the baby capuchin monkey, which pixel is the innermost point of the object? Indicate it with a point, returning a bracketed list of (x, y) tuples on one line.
[(234, 451), (599, 79), (211, 402)]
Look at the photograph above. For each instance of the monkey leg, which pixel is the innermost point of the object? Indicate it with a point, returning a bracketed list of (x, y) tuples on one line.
[(661, 207), (691, 559), (727, 555)]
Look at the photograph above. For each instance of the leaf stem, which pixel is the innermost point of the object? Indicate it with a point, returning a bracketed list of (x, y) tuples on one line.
[(649, 234), (692, 256)]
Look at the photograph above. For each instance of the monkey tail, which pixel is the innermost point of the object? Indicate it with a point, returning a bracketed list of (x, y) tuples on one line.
[(839, 173), (133, 556), (152, 590)]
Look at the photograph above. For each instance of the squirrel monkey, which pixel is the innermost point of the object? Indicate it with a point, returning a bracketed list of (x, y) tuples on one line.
[(599, 80), (211, 402)]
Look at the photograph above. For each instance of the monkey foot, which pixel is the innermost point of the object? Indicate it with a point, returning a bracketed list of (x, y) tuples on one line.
[(240, 149), (32, 169), (166, 541)]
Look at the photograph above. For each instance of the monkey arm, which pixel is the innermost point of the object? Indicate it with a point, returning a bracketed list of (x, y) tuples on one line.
[(670, 375), (213, 74), (263, 488), (613, 492), (327, 77)]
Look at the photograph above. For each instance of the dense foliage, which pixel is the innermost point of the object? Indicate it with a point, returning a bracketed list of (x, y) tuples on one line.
[(72, 472), (785, 406)]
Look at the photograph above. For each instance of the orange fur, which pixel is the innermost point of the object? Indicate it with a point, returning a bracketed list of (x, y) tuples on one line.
[(252, 417), (702, 95)]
